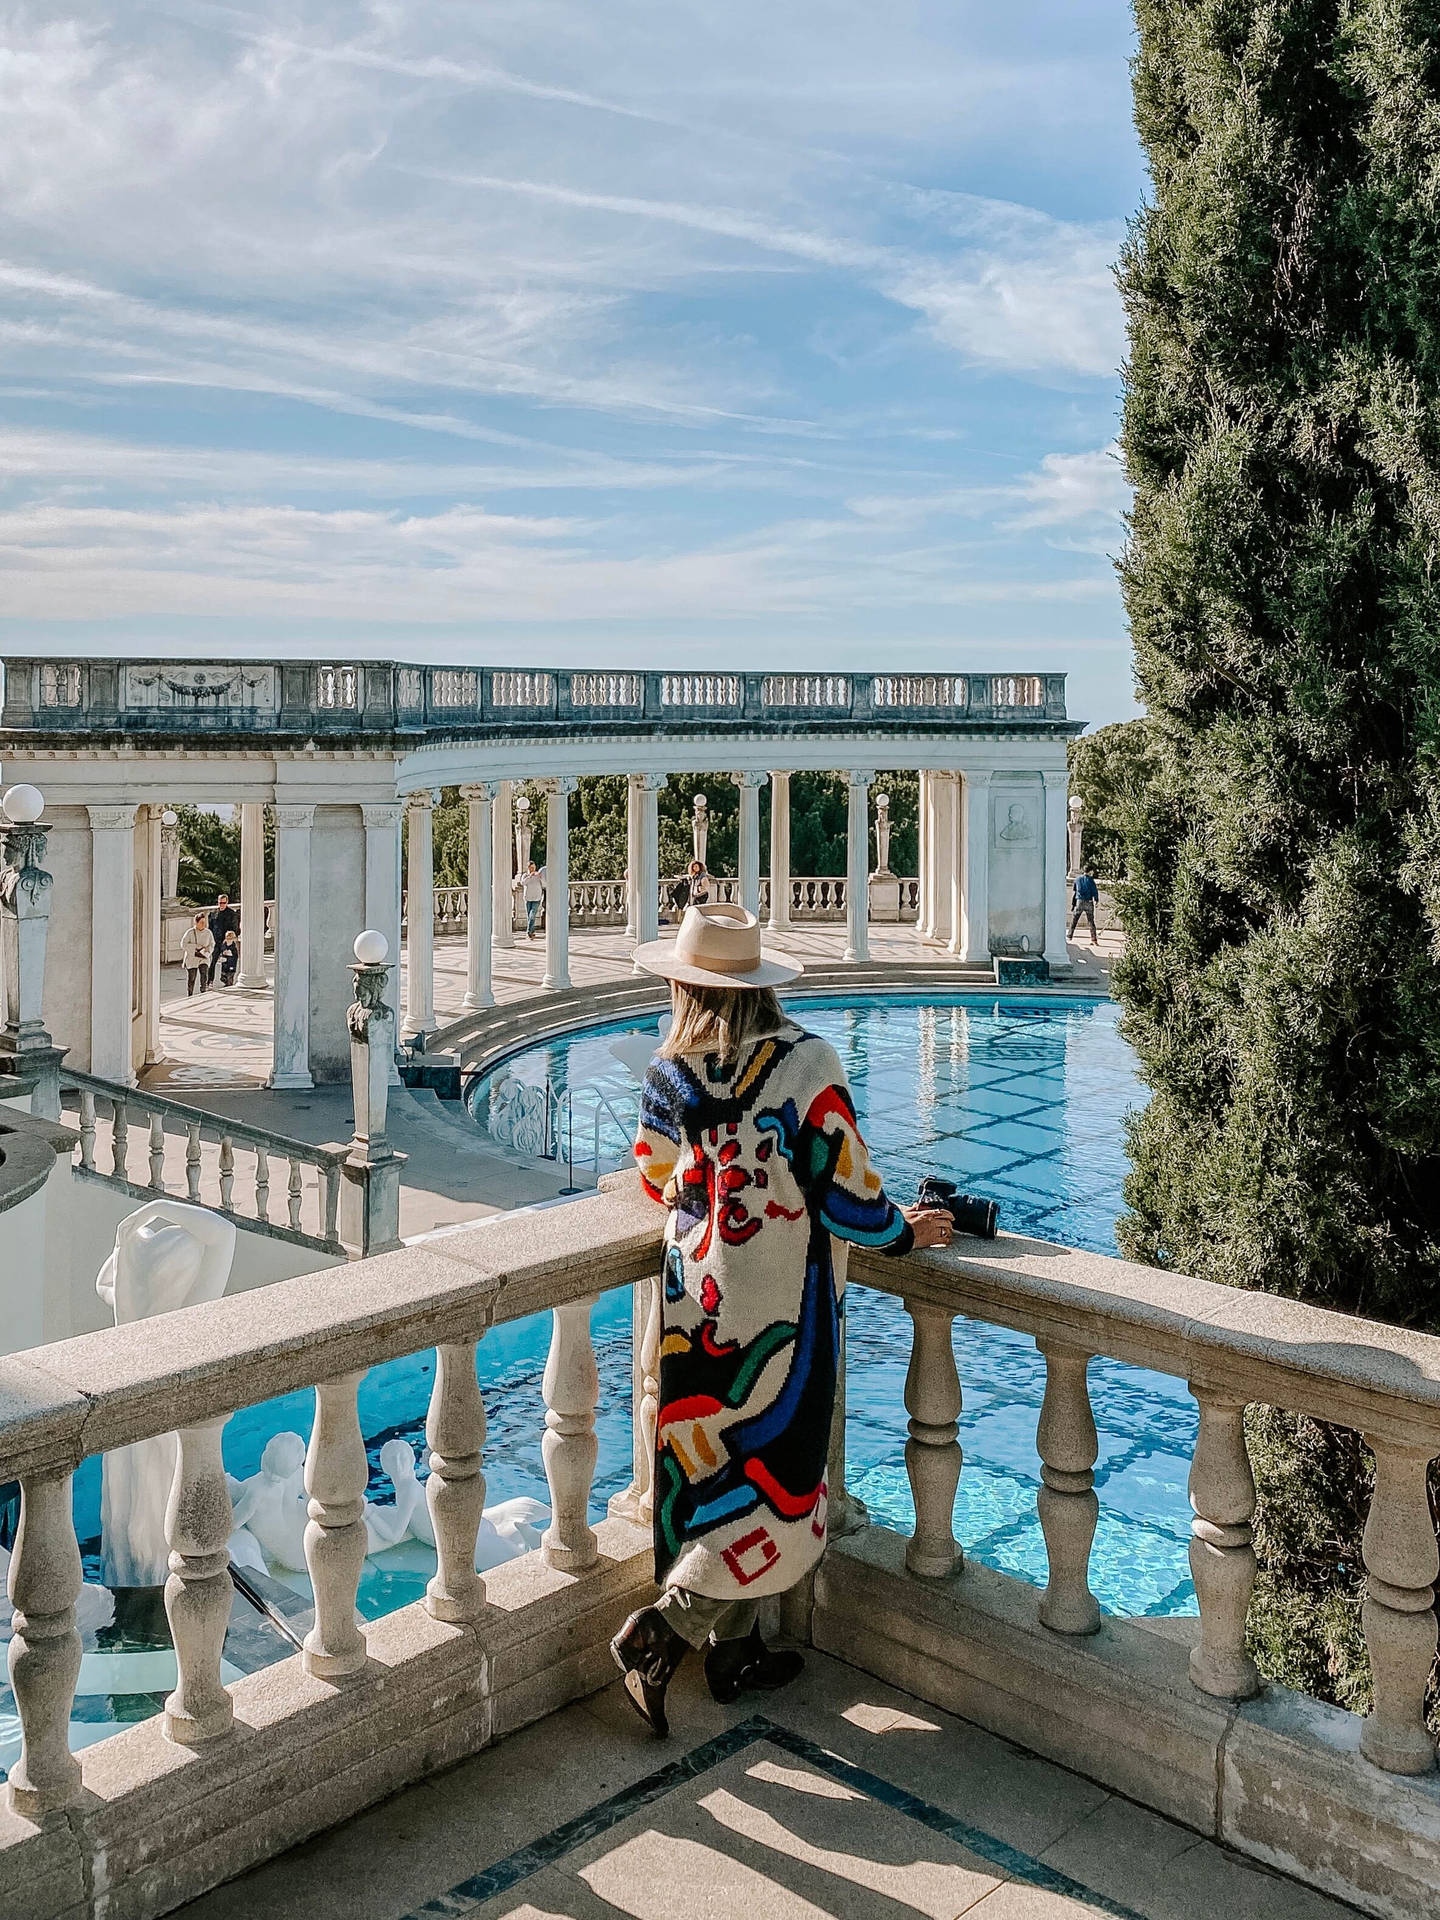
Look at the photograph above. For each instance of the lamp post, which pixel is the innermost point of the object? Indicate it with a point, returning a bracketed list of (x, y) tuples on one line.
[(370, 1195), (25, 1045), (524, 832), (700, 827), (884, 888)]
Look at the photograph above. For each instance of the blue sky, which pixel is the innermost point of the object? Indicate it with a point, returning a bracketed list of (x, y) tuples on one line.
[(568, 332)]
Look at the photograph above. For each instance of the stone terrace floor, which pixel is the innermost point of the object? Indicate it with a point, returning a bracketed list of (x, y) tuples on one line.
[(837, 1797), (222, 1039)]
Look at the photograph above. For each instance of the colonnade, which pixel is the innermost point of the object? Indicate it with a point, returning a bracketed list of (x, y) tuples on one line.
[(955, 853)]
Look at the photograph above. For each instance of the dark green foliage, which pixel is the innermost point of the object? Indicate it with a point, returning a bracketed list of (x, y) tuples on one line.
[(210, 855), (1110, 774), (1282, 911)]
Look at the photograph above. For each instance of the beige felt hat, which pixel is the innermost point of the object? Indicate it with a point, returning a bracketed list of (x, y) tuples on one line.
[(717, 946)]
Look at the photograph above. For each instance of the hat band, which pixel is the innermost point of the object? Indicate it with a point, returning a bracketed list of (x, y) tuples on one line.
[(719, 963)]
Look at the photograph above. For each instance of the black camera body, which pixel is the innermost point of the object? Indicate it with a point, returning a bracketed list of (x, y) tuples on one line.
[(970, 1213)]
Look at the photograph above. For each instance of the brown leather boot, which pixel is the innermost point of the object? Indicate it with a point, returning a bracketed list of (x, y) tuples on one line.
[(647, 1652), (733, 1667)]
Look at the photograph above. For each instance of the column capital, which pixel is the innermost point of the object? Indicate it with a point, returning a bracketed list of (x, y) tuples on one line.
[(421, 801), (654, 782), (859, 777), (479, 790), (978, 777), (1055, 778), (558, 784), (749, 780), (112, 819), (380, 814), (294, 817)]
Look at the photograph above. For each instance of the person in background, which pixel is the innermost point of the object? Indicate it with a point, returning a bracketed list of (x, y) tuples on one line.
[(1087, 898), (692, 889), (223, 919), (531, 887), (229, 958), (748, 1139), (197, 951)]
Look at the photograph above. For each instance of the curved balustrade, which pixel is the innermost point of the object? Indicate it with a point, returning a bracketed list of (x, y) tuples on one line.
[(191, 1153), (603, 903), (60, 1403)]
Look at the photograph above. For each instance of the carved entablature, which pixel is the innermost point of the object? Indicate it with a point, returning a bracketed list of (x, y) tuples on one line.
[(197, 691)]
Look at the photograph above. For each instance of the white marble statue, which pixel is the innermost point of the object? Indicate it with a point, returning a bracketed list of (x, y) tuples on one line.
[(270, 1509), (409, 1517), (636, 1050), (508, 1530), (167, 1255)]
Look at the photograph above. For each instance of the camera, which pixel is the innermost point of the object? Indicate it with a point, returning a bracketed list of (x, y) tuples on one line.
[(970, 1213)]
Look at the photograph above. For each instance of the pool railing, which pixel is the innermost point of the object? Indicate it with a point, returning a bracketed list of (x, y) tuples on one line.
[(231, 1774)]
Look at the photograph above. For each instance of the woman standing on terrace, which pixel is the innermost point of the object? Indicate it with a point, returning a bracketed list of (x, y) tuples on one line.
[(748, 1137)]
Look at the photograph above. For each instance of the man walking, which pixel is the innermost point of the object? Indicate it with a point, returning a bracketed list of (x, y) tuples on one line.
[(223, 919), (197, 952), (531, 888), (1087, 898)]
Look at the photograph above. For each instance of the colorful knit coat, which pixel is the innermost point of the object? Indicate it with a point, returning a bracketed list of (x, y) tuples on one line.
[(759, 1162)]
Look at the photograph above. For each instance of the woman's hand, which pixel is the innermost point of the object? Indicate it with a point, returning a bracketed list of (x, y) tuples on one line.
[(932, 1226)]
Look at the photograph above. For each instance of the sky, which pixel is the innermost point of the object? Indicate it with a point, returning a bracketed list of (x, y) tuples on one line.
[(548, 332)]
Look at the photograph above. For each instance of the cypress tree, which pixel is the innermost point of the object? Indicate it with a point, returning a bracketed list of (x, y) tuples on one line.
[(1282, 975)]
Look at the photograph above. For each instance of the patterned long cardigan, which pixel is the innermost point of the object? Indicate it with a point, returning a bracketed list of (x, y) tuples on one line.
[(760, 1163)]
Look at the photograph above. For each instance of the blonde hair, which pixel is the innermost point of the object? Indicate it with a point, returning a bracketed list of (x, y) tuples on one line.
[(719, 1020)]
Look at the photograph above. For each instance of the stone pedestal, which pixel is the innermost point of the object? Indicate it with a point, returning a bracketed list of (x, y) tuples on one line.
[(370, 1195), (885, 896)]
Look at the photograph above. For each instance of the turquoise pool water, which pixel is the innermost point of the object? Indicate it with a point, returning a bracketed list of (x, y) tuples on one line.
[(1022, 1099)]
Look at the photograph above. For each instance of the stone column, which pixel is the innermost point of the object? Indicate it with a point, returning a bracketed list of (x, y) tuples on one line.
[(169, 855), (779, 852), (370, 1196), (112, 940), (292, 947), (382, 870), (1057, 820), (633, 805), (502, 932), (24, 929), (749, 861), (557, 883), (647, 909), (480, 883), (150, 935), (971, 938), (924, 909), (252, 894), (420, 919), (857, 864), (943, 854)]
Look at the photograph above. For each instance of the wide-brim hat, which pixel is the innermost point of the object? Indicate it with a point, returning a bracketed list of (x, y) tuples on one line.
[(717, 946)]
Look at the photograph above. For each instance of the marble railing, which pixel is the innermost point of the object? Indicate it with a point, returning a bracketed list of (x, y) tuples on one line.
[(206, 1157), (379, 697), (190, 1370), (602, 903)]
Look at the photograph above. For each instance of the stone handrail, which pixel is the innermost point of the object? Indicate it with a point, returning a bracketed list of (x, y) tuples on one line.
[(381, 698), (190, 1370), (311, 1207)]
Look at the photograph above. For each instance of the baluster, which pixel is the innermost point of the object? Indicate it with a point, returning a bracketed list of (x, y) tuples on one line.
[(198, 1592), (227, 1170), (87, 1129), (119, 1137), (332, 1202), (571, 1388), (1222, 1559), (336, 1473), (192, 1159), (455, 1491), (45, 1580), (262, 1184), (647, 1409), (1401, 1563), (1067, 1504), (932, 1453), (157, 1152), (294, 1192)]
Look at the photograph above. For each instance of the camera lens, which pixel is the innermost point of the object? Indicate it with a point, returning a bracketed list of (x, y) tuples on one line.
[(971, 1214)]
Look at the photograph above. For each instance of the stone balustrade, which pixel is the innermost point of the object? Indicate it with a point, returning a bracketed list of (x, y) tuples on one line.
[(603, 903), (1278, 1777), (264, 1181), (383, 698)]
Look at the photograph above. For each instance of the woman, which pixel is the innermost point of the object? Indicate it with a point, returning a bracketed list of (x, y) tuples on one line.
[(748, 1136), (692, 889), (197, 946)]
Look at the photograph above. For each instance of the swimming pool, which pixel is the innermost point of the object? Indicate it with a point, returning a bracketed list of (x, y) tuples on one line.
[(1022, 1099)]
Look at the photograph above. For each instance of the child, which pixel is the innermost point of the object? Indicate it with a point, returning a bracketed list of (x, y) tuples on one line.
[(229, 958)]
